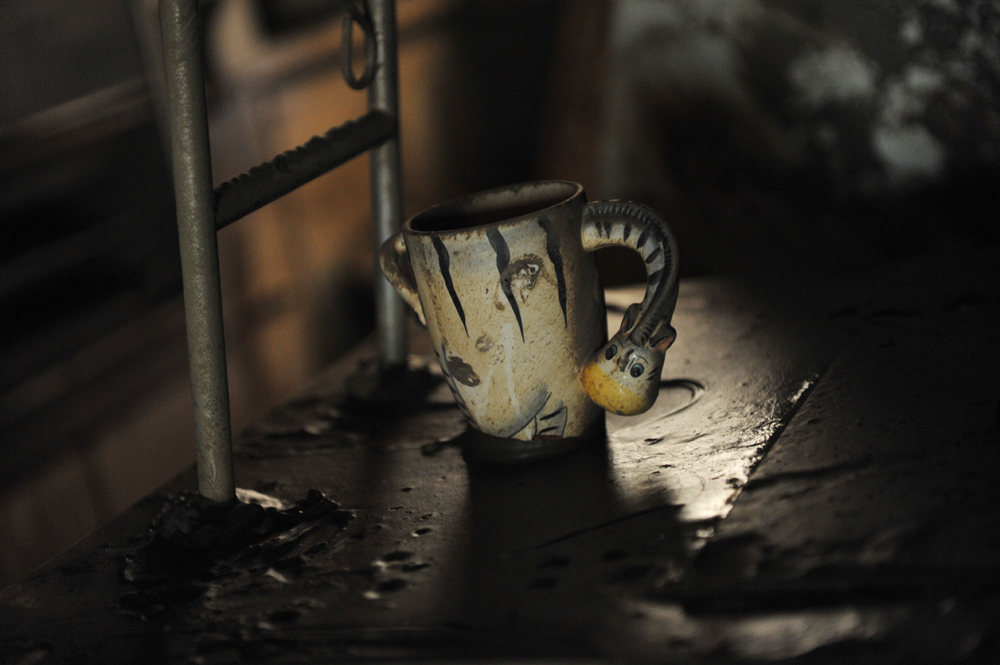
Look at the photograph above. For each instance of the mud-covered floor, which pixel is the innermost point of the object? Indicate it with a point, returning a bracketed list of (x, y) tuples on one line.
[(816, 482)]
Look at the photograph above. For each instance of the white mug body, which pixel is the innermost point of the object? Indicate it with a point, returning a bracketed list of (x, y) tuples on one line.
[(514, 307)]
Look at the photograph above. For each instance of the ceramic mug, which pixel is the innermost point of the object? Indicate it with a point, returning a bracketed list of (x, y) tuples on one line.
[(507, 285)]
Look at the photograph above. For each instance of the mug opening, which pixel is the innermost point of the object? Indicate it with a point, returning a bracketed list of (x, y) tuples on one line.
[(492, 206)]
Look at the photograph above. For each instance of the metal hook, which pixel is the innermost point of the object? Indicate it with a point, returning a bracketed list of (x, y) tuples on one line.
[(355, 15)]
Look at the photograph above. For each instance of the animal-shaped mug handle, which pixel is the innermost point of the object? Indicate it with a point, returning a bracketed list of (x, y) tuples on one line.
[(623, 376)]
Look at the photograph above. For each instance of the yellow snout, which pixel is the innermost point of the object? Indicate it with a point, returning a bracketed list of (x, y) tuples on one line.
[(609, 394)]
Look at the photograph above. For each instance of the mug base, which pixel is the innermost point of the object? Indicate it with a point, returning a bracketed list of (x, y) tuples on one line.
[(487, 449)]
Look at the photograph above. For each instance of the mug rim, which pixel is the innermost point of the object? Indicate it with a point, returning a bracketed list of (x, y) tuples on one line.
[(464, 204)]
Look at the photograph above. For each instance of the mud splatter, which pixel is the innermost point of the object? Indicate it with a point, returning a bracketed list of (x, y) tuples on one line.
[(195, 544), (462, 371)]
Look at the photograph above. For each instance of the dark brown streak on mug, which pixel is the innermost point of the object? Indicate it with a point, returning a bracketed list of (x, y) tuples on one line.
[(503, 260)]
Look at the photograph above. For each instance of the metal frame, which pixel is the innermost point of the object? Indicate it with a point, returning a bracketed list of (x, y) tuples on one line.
[(202, 211)]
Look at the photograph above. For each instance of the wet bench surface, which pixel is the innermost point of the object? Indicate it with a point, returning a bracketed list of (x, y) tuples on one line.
[(816, 481)]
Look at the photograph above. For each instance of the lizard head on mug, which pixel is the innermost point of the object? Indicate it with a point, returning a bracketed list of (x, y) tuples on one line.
[(623, 376)]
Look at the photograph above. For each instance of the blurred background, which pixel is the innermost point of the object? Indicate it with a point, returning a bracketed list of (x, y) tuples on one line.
[(781, 137)]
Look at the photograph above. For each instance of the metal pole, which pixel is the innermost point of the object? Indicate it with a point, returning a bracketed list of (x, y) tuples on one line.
[(383, 95), (180, 26)]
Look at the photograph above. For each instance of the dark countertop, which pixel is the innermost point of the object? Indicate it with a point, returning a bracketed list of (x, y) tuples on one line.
[(815, 483)]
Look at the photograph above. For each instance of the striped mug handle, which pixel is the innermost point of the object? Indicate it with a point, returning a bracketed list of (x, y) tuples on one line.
[(623, 376)]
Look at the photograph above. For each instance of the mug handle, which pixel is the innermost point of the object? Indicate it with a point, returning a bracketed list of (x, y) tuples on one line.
[(623, 376), (389, 256)]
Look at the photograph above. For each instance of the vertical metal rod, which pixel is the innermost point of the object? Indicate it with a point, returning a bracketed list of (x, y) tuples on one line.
[(180, 26), (387, 207)]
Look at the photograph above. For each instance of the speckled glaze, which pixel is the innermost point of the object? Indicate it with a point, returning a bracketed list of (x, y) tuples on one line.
[(507, 285)]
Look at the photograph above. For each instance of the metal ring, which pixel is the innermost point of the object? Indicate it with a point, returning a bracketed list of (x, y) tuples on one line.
[(355, 15)]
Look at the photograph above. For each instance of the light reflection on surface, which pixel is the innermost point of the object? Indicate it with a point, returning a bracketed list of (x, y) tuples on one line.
[(727, 390)]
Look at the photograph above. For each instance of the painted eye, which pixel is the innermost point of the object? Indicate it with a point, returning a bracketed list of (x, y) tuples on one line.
[(610, 353), (637, 370)]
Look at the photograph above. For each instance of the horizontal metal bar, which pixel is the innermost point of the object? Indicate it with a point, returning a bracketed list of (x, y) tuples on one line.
[(289, 170)]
